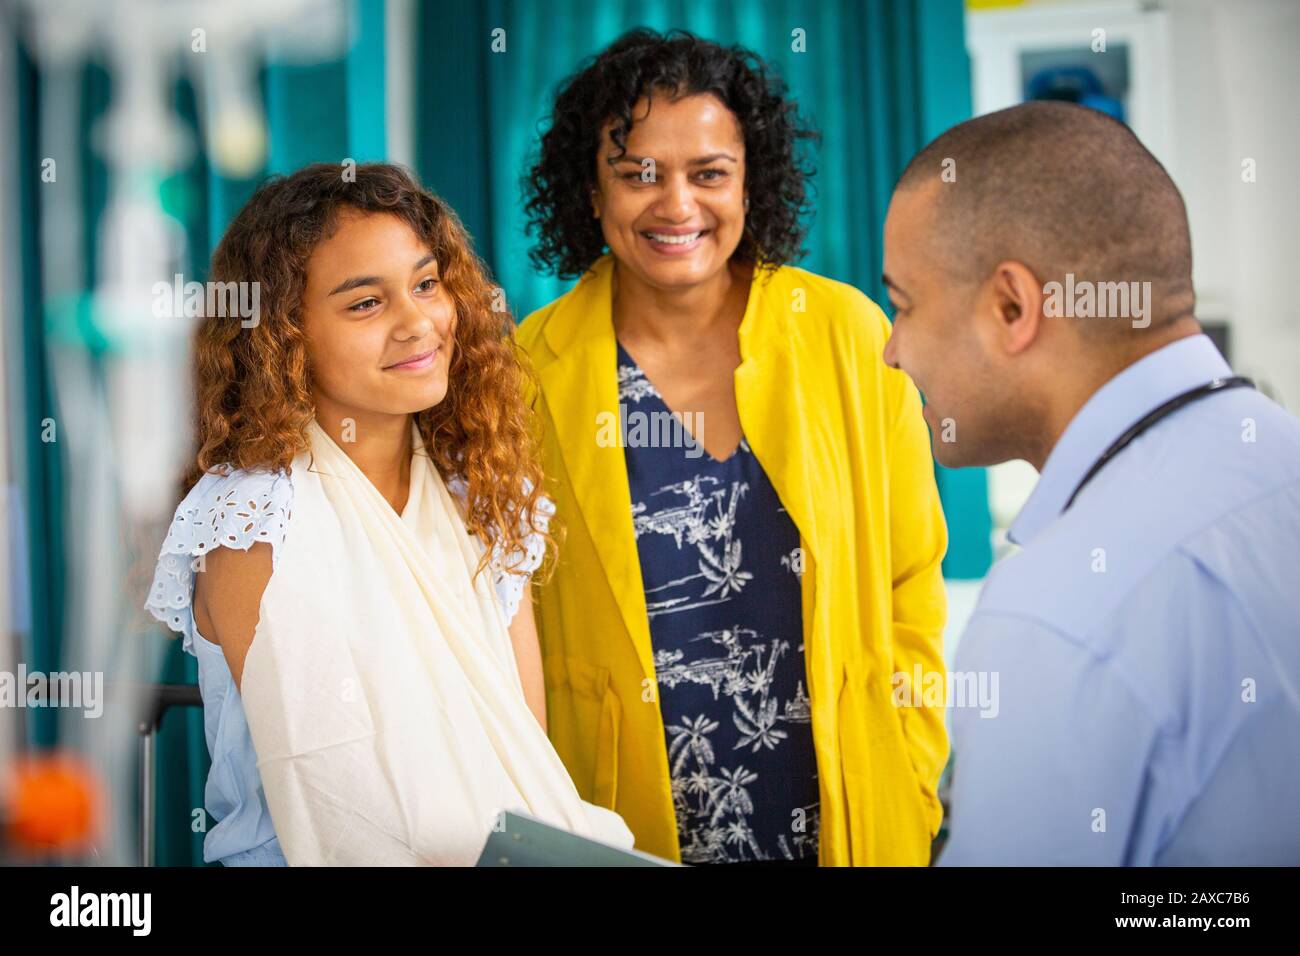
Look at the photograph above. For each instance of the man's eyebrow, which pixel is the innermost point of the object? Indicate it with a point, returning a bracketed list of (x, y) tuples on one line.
[(889, 283), (357, 281)]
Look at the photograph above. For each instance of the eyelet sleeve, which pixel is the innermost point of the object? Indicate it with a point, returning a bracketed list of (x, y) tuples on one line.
[(512, 570), (236, 510)]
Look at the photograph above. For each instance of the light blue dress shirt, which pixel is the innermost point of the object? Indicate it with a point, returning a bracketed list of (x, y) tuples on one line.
[(1146, 642)]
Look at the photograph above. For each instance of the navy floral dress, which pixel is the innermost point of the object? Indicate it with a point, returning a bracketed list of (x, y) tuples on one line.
[(720, 562)]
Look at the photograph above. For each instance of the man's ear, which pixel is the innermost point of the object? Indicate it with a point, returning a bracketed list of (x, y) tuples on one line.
[(1017, 303)]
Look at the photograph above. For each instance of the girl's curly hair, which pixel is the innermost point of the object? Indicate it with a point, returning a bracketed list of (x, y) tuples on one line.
[(252, 385), (609, 85)]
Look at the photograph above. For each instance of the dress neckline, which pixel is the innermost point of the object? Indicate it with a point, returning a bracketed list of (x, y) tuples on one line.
[(623, 353)]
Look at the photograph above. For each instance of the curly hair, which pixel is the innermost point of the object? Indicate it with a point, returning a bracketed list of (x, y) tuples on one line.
[(609, 85), (252, 385)]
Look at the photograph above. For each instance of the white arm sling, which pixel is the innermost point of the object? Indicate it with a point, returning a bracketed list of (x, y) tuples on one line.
[(381, 688)]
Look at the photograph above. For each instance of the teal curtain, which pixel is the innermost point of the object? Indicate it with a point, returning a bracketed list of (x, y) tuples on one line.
[(41, 479), (879, 78), (327, 112)]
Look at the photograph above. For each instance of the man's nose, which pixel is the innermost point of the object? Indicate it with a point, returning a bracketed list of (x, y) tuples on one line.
[(890, 354)]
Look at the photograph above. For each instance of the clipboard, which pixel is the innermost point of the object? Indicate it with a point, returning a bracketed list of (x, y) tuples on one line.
[(519, 839)]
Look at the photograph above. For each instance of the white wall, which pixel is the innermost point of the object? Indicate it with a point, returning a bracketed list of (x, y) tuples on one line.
[(1221, 83), (1237, 95)]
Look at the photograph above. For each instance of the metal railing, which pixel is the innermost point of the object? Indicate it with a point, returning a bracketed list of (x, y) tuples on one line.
[(162, 698)]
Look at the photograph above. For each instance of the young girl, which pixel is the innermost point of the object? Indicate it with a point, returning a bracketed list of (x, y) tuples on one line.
[(371, 696)]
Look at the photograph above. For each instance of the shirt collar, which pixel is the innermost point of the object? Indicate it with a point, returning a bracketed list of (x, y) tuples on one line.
[(1146, 384)]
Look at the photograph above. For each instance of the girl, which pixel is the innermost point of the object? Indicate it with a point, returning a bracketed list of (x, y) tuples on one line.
[(371, 695)]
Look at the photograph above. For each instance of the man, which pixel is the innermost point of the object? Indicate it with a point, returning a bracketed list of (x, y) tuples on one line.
[(1146, 637)]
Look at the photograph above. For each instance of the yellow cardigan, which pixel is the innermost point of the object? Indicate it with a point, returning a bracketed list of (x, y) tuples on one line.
[(842, 440)]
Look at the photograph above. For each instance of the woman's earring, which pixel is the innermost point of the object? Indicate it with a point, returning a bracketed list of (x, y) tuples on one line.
[(746, 204)]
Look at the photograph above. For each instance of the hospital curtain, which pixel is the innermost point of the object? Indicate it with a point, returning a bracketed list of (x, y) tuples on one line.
[(879, 78)]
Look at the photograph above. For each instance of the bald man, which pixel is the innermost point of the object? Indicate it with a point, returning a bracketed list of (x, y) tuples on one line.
[(1146, 634)]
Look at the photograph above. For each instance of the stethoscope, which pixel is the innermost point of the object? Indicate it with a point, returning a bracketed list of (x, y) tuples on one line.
[(1154, 416)]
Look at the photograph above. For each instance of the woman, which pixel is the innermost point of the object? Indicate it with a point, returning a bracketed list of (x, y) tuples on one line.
[(721, 641), (369, 696)]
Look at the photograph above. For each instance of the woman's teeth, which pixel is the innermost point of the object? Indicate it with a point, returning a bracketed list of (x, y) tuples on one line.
[(673, 240)]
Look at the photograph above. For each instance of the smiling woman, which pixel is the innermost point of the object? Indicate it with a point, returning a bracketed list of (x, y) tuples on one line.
[(737, 591), (370, 697)]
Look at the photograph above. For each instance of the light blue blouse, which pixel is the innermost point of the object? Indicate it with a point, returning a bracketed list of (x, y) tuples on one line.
[(237, 511)]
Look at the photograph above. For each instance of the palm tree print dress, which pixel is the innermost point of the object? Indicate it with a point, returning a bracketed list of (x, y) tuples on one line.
[(720, 563)]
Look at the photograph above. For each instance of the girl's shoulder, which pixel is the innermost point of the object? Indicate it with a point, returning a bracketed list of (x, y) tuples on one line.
[(237, 508), (226, 508)]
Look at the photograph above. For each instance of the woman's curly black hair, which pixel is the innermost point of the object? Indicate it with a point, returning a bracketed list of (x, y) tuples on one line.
[(609, 85)]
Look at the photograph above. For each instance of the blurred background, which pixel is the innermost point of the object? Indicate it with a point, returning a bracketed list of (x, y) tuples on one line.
[(131, 131)]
